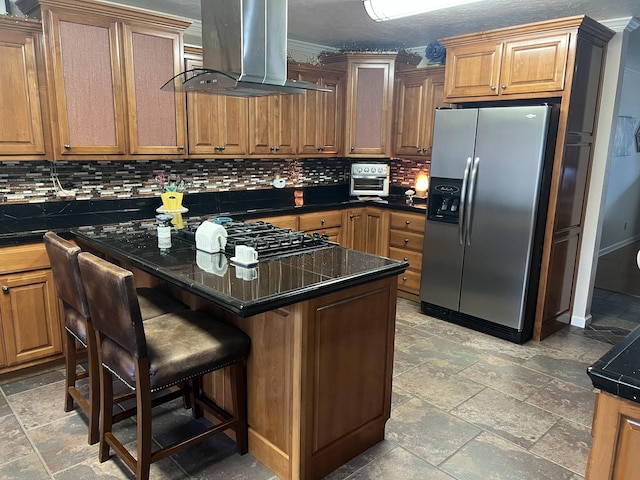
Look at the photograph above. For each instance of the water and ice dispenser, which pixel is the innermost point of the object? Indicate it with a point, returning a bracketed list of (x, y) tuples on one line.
[(444, 200)]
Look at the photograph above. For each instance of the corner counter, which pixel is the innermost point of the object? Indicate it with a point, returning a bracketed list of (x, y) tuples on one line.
[(616, 421), (322, 327)]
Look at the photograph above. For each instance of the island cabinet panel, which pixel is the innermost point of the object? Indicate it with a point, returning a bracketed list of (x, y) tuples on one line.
[(21, 78), (418, 94), (514, 65), (29, 310), (273, 125), (217, 124), (106, 66), (616, 439)]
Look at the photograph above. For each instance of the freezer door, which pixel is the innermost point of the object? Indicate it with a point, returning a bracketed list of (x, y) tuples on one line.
[(510, 147), (442, 254), (454, 136)]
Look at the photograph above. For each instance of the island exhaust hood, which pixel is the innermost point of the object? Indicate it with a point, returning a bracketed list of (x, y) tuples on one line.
[(244, 44)]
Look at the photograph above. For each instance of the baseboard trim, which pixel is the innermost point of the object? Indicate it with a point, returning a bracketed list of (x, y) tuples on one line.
[(582, 322), (616, 246)]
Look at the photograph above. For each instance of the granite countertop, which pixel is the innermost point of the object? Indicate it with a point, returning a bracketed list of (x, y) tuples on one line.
[(618, 371), (24, 223), (272, 283)]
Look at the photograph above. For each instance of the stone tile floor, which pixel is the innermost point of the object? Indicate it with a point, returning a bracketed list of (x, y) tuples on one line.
[(466, 406)]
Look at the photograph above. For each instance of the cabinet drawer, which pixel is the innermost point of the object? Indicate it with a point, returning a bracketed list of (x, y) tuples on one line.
[(315, 221), (414, 258), (408, 240), (409, 282), (284, 221), (407, 222), (333, 234), (21, 258)]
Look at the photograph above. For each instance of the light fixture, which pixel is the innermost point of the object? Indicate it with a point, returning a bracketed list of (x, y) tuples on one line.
[(381, 10), (422, 185)]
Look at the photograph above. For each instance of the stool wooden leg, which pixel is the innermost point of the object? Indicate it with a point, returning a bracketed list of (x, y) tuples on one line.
[(143, 400), (70, 370), (106, 411), (196, 392), (239, 400), (94, 386)]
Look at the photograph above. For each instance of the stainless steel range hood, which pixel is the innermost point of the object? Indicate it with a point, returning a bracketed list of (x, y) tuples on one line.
[(244, 45)]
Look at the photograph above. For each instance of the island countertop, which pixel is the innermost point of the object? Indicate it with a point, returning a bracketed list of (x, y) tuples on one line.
[(272, 283)]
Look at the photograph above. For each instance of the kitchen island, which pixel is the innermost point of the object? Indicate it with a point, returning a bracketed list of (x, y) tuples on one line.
[(322, 328)]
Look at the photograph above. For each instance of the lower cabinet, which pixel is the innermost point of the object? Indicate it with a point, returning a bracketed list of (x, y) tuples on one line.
[(406, 238), (327, 223), (366, 229), (29, 311), (616, 439)]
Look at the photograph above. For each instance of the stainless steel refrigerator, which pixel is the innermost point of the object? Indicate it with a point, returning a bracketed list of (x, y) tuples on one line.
[(485, 217)]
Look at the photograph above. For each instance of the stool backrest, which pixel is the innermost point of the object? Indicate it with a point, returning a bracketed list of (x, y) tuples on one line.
[(115, 311), (63, 257)]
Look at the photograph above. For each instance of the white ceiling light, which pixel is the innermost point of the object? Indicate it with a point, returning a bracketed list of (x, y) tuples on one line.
[(381, 10)]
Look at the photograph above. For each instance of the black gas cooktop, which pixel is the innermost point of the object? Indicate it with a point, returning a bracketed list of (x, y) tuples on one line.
[(268, 239)]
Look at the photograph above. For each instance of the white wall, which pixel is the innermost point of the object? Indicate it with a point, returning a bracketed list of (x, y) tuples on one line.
[(621, 223)]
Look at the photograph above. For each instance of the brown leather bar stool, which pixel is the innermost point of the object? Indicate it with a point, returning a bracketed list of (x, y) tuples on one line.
[(171, 350), (63, 256)]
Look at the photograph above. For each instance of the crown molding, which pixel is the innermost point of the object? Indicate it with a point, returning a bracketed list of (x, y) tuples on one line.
[(628, 24)]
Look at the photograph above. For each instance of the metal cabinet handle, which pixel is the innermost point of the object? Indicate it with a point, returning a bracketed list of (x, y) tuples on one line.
[(353, 148), (419, 149), (493, 88), (408, 222), (222, 147), (406, 240), (322, 221), (404, 279), (180, 147), (504, 87), (5, 289), (67, 146), (272, 148), (405, 259), (425, 150)]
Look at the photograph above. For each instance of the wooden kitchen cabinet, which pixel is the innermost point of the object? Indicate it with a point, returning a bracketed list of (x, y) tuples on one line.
[(616, 439), (273, 125), (29, 311), (511, 65), (406, 239), (367, 230), (323, 223), (217, 124), (22, 90), (369, 102), (320, 114), (284, 221), (418, 93), (107, 64)]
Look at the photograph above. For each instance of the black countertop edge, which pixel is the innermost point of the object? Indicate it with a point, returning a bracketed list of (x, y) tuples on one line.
[(618, 371), (27, 223), (250, 308)]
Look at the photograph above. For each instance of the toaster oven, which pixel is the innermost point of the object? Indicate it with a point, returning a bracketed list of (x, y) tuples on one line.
[(369, 179)]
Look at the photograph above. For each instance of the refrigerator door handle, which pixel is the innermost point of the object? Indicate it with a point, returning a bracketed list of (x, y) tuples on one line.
[(472, 190), (463, 199)]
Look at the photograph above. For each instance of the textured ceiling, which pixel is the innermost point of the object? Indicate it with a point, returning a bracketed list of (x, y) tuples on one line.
[(344, 23)]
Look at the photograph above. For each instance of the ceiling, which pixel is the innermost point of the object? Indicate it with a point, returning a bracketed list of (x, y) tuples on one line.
[(344, 23)]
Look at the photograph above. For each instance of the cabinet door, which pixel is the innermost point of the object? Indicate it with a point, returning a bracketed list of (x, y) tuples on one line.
[(87, 90), (156, 117), (434, 99), (272, 128), (377, 233), (310, 127), (473, 70), (331, 115), (354, 225), (411, 115), (369, 109), (28, 308), (534, 65), (21, 130)]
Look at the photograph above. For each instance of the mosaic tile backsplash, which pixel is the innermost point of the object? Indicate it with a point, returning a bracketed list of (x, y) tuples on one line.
[(27, 182)]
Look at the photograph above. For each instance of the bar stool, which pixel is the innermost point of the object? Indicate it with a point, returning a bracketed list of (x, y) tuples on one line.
[(63, 256), (171, 350)]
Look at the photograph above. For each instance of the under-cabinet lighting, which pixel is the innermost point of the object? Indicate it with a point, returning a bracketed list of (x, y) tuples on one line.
[(381, 10)]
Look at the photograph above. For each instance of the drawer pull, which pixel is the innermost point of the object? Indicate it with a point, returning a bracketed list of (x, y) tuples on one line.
[(67, 146), (404, 279), (408, 222), (322, 221), (406, 240), (405, 259), (5, 289)]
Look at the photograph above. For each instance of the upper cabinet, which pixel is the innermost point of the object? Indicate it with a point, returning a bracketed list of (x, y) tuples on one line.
[(22, 89), (508, 63), (320, 114), (107, 64), (418, 93), (273, 125), (217, 124), (368, 115)]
